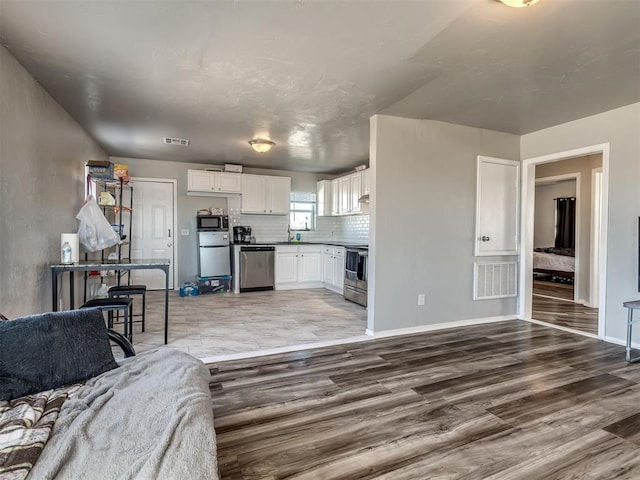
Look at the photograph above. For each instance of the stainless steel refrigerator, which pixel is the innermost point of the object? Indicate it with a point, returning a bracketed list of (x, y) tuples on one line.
[(214, 254)]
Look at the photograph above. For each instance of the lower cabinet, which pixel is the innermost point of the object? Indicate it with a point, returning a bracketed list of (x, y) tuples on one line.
[(333, 268), (298, 266), (310, 266)]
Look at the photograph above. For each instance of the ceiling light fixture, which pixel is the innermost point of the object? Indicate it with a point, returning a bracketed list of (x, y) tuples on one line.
[(518, 3), (261, 146)]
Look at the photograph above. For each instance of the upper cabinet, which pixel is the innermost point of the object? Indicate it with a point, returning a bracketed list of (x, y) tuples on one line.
[(265, 195), (366, 181), (324, 198), (213, 182), (341, 196), (335, 196)]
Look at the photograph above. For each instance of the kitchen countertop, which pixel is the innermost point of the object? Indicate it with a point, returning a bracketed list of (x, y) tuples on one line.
[(337, 244)]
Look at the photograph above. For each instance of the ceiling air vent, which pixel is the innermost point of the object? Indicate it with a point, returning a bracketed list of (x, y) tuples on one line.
[(176, 141)]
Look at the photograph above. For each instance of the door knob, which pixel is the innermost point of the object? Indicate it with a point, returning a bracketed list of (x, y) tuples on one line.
[(169, 244), (484, 238)]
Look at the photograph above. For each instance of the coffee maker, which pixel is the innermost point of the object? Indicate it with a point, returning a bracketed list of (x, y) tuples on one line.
[(241, 234)]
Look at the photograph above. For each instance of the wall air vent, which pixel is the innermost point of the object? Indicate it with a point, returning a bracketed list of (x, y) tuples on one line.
[(183, 142), (495, 280)]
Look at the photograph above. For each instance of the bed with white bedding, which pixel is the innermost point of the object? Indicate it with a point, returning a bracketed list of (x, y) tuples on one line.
[(560, 262)]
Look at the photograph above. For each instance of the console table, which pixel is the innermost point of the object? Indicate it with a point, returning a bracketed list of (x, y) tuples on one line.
[(631, 306), (92, 265)]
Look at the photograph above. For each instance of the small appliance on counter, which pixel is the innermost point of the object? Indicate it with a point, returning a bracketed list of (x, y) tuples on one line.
[(242, 235), (212, 222)]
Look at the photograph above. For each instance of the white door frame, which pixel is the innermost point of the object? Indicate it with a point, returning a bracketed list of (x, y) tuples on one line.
[(525, 289), (578, 225), (596, 233), (174, 183)]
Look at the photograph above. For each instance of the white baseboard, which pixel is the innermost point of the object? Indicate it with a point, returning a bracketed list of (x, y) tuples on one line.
[(560, 327), (333, 288), (439, 326), (298, 286), (287, 349), (617, 341)]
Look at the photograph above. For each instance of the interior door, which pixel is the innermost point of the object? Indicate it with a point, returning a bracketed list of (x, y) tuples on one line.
[(497, 206), (152, 230)]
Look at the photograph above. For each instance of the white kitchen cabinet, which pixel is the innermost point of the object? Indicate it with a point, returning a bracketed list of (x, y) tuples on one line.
[(279, 195), (333, 267), (345, 195), (227, 182), (265, 195), (335, 196), (213, 182), (366, 181), (355, 191), (286, 265), (310, 264), (339, 268), (324, 198), (298, 266)]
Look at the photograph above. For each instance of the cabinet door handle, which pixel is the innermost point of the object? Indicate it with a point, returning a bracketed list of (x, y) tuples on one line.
[(484, 238)]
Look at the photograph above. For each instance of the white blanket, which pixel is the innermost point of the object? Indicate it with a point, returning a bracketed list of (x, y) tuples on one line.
[(151, 418), (550, 261)]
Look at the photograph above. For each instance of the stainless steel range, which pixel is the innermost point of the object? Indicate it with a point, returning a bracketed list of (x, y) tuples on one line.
[(355, 275)]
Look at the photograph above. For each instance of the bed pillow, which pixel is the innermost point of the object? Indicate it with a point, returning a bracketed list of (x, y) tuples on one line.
[(50, 350)]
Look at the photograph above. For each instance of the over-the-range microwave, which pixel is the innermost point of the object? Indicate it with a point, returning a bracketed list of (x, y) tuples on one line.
[(213, 222)]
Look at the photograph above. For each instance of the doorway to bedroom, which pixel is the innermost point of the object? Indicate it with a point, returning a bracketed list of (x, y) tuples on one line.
[(565, 242)]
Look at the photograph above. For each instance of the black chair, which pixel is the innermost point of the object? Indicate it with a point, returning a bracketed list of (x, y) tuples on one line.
[(110, 305), (120, 291)]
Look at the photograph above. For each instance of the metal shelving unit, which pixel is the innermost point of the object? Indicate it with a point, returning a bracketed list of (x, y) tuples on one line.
[(116, 188)]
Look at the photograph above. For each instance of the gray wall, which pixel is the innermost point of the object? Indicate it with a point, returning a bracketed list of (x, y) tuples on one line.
[(187, 252), (620, 128), (42, 156), (584, 166), (544, 224), (423, 218)]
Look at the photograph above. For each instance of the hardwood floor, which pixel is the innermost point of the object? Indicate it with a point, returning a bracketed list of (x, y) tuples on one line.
[(553, 289), (509, 400), (562, 312)]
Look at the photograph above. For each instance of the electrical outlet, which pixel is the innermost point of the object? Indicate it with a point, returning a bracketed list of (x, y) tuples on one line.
[(422, 298), (184, 232)]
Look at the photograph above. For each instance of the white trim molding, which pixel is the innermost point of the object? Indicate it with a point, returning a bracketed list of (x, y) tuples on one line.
[(525, 289), (439, 326)]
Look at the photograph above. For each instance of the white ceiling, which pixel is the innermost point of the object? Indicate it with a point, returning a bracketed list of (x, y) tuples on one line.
[(309, 74)]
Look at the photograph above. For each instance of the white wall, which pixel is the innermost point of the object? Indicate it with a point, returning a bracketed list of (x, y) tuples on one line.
[(422, 221), (42, 156), (544, 229), (621, 129)]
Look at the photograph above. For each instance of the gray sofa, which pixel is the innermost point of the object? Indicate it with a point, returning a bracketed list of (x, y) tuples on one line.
[(149, 418)]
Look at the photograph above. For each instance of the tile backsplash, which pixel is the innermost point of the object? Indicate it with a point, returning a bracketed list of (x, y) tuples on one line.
[(273, 228)]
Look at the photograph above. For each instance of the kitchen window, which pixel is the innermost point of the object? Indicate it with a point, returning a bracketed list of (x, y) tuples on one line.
[(303, 211)]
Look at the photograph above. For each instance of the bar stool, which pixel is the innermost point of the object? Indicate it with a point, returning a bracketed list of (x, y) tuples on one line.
[(119, 291), (111, 305), (631, 306)]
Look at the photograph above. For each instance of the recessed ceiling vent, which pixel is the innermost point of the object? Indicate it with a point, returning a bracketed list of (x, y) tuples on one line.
[(183, 142)]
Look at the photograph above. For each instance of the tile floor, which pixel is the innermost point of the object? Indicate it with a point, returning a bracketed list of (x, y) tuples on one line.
[(219, 324)]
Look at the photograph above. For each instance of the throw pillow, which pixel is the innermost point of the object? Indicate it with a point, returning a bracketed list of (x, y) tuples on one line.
[(51, 350)]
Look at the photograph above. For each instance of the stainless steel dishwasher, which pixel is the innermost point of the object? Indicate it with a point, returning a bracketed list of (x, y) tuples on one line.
[(257, 268)]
